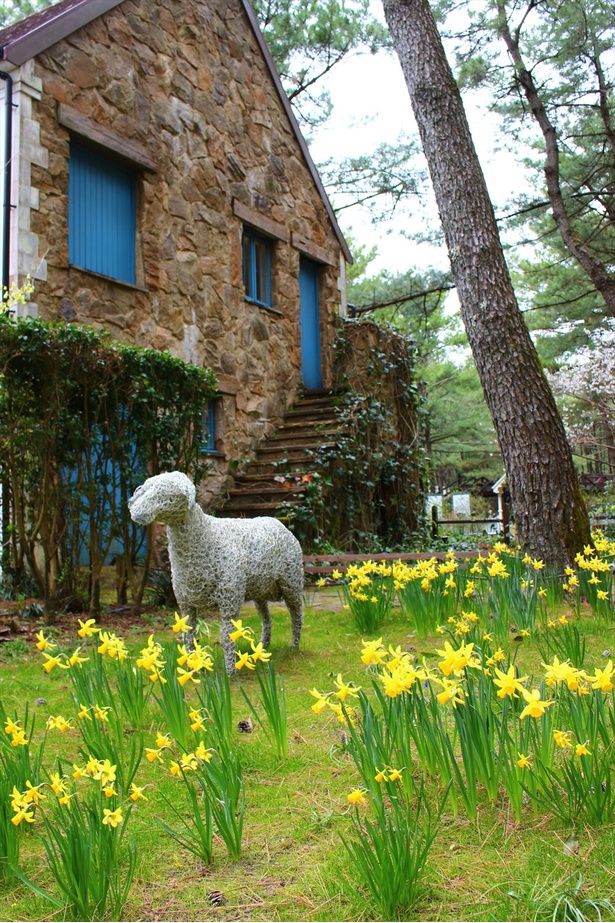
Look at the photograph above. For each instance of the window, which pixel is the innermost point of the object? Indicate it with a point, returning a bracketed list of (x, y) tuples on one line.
[(257, 268), (208, 433), (101, 215)]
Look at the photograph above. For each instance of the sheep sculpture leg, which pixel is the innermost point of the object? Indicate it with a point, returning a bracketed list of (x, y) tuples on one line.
[(294, 602), (218, 564), (262, 607)]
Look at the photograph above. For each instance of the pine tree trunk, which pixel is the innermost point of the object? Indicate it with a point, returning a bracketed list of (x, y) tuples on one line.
[(549, 512)]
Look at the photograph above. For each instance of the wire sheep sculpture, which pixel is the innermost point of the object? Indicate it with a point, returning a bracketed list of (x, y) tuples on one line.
[(218, 564)]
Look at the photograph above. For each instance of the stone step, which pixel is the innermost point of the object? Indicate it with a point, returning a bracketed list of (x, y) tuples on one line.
[(304, 425), (265, 468), (265, 491), (299, 439), (253, 509), (307, 427), (291, 450)]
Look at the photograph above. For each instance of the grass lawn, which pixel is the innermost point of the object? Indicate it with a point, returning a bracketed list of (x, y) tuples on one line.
[(293, 864)]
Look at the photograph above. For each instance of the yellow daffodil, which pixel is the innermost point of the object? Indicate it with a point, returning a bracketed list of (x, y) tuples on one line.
[(204, 754), (19, 739), (562, 738), (105, 773), (509, 684), (373, 652), (11, 727), (603, 679), (451, 692), (56, 784), (259, 652), (345, 689), (76, 659), (87, 628), (100, 712), (187, 676), (43, 643), (136, 792), (58, 724), (244, 660), (524, 762), (535, 707), (112, 818), (52, 662), (240, 631), (180, 624), (356, 796), (22, 814), (582, 749), (321, 700), (32, 795), (455, 661)]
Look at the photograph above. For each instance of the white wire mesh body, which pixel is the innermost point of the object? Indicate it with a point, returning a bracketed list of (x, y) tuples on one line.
[(218, 564)]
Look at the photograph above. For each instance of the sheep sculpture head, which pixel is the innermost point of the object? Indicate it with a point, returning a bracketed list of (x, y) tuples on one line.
[(217, 564), (165, 498)]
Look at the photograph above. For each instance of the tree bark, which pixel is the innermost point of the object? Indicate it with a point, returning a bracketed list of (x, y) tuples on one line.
[(549, 512)]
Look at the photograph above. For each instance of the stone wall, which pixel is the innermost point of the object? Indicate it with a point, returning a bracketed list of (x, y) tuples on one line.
[(186, 83)]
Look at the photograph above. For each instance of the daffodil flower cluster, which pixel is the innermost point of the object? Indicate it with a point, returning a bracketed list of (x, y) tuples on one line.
[(332, 700), (16, 732), (99, 771), (247, 659)]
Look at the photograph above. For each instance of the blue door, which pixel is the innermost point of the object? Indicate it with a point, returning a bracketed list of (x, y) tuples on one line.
[(310, 325)]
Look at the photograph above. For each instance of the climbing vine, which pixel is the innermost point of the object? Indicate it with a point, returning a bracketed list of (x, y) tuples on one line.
[(368, 490), (82, 421)]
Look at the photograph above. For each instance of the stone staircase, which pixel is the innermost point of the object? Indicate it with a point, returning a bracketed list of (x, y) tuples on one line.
[(276, 480)]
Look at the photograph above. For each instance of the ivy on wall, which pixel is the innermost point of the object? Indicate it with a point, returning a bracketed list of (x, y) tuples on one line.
[(82, 421), (368, 492)]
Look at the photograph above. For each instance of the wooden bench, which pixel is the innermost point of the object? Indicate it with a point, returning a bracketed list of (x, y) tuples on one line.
[(323, 565)]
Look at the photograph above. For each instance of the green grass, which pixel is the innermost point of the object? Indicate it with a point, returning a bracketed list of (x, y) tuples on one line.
[(293, 865)]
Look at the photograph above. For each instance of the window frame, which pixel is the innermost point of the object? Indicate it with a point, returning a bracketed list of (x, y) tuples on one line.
[(250, 242), (208, 428)]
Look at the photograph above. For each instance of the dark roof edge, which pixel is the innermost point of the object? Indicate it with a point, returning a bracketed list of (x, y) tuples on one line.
[(54, 28), (294, 125)]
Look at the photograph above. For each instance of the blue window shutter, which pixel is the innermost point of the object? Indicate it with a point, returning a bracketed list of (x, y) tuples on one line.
[(101, 215)]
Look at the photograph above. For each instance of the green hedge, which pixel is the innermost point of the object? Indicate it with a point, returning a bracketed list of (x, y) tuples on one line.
[(83, 420)]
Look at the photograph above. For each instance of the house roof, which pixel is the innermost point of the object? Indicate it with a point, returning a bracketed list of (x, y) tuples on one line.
[(23, 40)]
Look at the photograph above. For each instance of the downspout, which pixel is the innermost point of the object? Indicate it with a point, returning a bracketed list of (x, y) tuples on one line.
[(5, 519), (8, 156)]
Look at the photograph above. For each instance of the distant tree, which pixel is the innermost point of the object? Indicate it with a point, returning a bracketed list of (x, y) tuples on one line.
[(555, 91), (413, 302), (586, 386), (308, 38), (12, 10), (459, 438), (549, 511)]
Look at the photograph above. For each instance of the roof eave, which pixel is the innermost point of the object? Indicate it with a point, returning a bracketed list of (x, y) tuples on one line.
[(25, 47)]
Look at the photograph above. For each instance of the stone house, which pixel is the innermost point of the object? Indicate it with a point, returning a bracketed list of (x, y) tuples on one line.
[(157, 185)]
